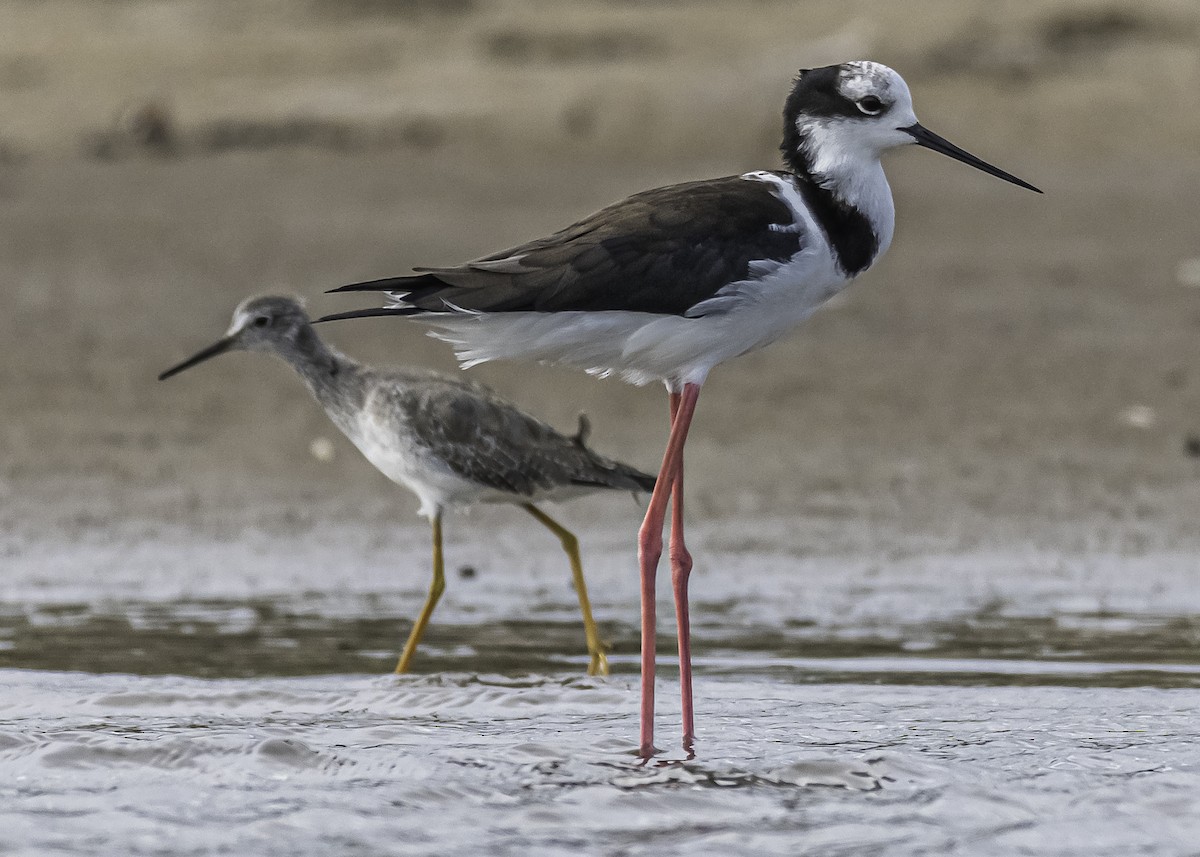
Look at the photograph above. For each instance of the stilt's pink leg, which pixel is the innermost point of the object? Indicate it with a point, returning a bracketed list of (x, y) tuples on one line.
[(650, 550), (681, 568)]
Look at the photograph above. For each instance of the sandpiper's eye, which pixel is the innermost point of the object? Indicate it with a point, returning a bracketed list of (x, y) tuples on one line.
[(870, 105), (262, 321)]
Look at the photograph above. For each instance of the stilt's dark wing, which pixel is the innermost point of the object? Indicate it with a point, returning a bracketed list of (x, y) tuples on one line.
[(660, 251)]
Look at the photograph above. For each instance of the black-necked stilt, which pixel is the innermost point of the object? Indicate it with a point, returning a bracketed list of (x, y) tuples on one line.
[(670, 282), (453, 443)]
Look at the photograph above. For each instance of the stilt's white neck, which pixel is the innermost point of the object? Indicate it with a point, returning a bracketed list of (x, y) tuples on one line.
[(849, 170), (867, 190)]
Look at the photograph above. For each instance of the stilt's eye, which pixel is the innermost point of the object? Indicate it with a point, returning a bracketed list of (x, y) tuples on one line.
[(870, 105), (262, 321)]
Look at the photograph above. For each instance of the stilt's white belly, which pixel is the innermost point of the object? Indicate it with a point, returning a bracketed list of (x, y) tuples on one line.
[(644, 347)]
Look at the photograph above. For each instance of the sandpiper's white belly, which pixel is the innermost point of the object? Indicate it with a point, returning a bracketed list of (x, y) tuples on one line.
[(393, 450), (394, 453)]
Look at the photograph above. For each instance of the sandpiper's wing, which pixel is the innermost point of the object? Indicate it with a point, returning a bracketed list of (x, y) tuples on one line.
[(484, 439), (664, 250)]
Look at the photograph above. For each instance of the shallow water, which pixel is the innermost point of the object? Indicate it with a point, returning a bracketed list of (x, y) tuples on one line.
[(464, 762), (933, 704)]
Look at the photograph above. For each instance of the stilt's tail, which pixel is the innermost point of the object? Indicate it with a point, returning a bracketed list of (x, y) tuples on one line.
[(371, 312)]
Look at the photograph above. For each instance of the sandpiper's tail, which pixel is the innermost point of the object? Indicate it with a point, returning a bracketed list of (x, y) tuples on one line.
[(614, 474), (604, 472)]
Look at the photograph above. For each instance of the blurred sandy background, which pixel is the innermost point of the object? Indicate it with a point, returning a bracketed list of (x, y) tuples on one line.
[(1020, 374)]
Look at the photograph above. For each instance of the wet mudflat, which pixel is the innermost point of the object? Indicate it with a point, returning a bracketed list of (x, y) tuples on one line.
[(471, 762), (936, 704), (464, 761)]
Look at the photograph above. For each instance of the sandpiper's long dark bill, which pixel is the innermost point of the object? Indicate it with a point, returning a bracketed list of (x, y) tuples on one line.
[(218, 347), (671, 282)]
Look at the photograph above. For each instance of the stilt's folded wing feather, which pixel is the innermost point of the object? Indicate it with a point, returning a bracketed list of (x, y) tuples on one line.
[(662, 251)]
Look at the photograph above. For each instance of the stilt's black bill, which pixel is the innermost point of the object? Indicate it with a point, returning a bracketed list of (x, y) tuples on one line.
[(219, 347), (930, 140)]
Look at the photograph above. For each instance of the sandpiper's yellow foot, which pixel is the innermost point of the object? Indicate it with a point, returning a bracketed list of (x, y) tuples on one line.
[(599, 664)]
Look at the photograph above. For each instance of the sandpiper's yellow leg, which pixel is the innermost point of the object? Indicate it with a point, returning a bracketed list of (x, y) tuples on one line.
[(597, 649), (435, 592)]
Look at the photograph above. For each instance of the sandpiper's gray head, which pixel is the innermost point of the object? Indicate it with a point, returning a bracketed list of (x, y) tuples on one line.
[(841, 116), (259, 324)]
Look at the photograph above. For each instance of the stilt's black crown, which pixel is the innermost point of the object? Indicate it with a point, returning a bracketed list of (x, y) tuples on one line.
[(815, 93)]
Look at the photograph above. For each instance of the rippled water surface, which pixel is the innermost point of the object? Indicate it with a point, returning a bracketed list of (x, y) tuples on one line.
[(1016, 705), (472, 763)]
